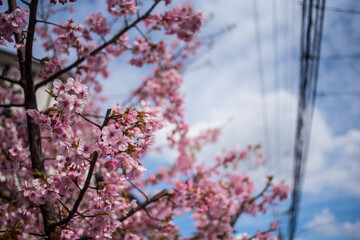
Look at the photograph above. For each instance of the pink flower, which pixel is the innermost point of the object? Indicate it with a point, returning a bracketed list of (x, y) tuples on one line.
[(136, 171), (65, 103), (122, 144), (274, 225), (60, 87), (85, 149), (111, 134), (120, 8), (14, 22), (98, 23)]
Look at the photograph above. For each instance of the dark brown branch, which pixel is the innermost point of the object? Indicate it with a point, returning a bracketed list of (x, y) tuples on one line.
[(34, 138), (77, 185), (68, 210), (92, 115), (18, 39), (142, 206), (37, 234), (254, 236), (46, 22), (11, 105), (27, 3), (250, 200), (88, 120), (151, 217), (81, 194), (86, 184), (11, 81), (132, 184), (107, 118), (6, 197), (98, 49), (91, 216)]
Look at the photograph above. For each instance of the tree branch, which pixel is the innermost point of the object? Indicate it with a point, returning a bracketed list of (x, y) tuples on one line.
[(86, 184), (235, 217), (12, 105), (98, 49), (11, 81), (20, 53), (132, 184), (254, 236), (88, 120), (81, 194), (48, 212), (142, 206), (46, 22), (25, 2)]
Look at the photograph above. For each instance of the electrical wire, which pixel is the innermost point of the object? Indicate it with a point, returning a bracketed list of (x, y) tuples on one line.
[(311, 37), (337, 94), (261, 79), (343, 10), (276, 80)]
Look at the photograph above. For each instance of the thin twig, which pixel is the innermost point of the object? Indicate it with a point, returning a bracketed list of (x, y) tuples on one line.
[(251, 200), (37, 234), (77, 185), (27, 3), (254, 236), (141, 33), (91, 216), (11, 81), (132, 184), (51, 23), (88, 120), (153, 218), (92, 115), (138, 10), (64, 205), (142, 206)]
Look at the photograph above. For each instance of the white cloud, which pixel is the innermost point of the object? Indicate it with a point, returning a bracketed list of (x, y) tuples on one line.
[(230, 90), (327, 224), (333, 162)]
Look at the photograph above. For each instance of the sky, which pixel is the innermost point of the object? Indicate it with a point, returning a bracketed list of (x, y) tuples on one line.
[(330, 201), (228, 93)]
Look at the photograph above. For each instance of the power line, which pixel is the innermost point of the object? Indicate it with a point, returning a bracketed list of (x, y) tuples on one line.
[(311, 36), (341, 57), (276, 78), (261, 77), (337, 9), (338, 94), (342, 10)]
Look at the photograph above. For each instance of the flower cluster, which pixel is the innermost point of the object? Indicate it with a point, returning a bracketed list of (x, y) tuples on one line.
[(69, 37), (148, 52), (98, 23), (49, 67), (182, 21), (120, 8), (120, 46), (10, 23), (61, 1)]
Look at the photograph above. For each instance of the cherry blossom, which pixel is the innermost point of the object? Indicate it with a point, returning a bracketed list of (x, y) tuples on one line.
[(77, 170)]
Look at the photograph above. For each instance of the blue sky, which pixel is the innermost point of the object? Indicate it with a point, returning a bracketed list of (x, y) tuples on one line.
[(331, 201), (230, 89)]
